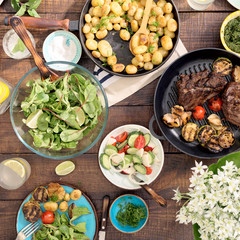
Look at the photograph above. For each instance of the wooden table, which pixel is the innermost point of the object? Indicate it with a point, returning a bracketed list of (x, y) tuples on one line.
[(198, 30)]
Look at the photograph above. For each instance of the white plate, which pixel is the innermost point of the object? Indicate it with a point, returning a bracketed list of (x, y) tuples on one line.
[(121, 180), (235, 3)]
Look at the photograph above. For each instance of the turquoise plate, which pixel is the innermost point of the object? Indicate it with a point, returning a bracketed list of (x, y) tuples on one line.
[(90, 219), (115, 207), (235, 3)]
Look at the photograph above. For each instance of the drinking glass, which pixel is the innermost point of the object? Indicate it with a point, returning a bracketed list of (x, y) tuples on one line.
[(200, 5), (14, 173)]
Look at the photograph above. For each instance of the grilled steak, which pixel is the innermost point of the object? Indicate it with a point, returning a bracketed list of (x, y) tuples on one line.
[(231, 103), (197, 88)]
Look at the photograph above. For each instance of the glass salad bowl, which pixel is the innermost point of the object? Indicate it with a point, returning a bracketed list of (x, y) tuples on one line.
[(60, 119)]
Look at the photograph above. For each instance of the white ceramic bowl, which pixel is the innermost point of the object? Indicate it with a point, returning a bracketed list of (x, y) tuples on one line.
[(122, 180)]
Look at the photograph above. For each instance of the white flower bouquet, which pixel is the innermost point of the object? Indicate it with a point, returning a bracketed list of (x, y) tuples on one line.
[(213, 201)]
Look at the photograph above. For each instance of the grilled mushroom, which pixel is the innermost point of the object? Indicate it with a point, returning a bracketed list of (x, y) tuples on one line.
[(170, 121), (40, 194), (236, 74), (177, 111), (71, 207), (32, 211), (56, 190)]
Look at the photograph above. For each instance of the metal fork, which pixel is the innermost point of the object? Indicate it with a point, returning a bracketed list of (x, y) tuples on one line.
[(28, 231)]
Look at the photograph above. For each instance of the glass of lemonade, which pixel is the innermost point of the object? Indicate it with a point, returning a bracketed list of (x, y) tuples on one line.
[(200, 5), (14, 173)]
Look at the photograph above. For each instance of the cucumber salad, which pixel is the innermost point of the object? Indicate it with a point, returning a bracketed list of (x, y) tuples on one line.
[(130, 153)]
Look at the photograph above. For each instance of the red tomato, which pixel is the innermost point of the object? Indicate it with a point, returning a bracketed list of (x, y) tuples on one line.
[(139, 142), (124, 149), (48, 217), (198, 113), (215, 104), (149, 170), (148, 149), (121, 137)]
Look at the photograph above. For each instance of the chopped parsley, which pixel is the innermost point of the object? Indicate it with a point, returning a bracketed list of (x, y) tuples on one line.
[(157, 35), (54, 197), (125, 16), (154, 14), (104, 22), (150, 48), (156, 23)]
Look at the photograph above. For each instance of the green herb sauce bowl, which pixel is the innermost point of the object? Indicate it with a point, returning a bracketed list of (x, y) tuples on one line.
[(22, 131), (119, 204)]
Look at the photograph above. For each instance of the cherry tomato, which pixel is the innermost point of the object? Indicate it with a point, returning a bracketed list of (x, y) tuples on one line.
[(48, 217), (148, 149), (124, 149), (149, 170), (215, 104), (198, 113), (139, 142), (121, 137)]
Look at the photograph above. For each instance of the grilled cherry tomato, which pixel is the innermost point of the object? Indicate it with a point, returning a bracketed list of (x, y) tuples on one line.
[(199, 113), (48, 217), (149, 170), (139, 142), (121, 137), (215, 104), (148, 149), (124, 149)]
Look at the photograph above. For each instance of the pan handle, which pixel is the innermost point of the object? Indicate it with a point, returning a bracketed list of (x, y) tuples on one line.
[(152, 131), (32, 22)]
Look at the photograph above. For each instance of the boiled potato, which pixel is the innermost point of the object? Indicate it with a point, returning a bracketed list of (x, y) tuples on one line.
[(160, 31), (86, 28), (117, 26), (89, 35), (67, 197), (111, 60), (172, 25), (168, 16), (125, 6), (148, 66), (166, 42), (139, 57), (91, 44), (143, 39), (95, 21), (157, 11), (152, 28), (91, 11), (105, 9), (96, 3), (161, 3), (96, 54), (143, 2), (97, 11), (88, 18), (139, 13), (119, 67), (101, 34), (131, 69), (75, 194), (105, 48), (162, 22), (50, 206), (116, 8), (147, 57), (117, 19), (94, 30), (167, 8), (157, 58), (123, 23), (152, 20), (140, 49), (153, 38), (134, 25), (153, 47), (63, 206), (132, 10), (163, 51), (109, 26), (124, 35), (169, 33)]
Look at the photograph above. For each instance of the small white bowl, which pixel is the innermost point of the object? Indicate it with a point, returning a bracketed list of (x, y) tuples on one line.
[(62, 46), (122, 180)]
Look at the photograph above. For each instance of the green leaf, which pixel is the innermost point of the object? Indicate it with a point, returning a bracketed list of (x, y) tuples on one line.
[(70, 135), (195, 232), (34, 4), (90, 93), (79, 211), (42, 123), (19, 47), (33, 13), (65, 230), (64, 219), (80, 227), (15, 4), (22, 10)]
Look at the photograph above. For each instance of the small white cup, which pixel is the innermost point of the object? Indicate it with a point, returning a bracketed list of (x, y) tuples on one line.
[(200, 5)]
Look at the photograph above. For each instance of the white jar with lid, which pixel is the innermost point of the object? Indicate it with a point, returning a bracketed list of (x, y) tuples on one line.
[(6, 90)]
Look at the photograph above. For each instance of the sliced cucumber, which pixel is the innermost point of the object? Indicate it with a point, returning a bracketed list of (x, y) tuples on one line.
[(137, 159), (132, 138), (147, 138), (122, 145), (110, 149), (132, 151), (104, 161), (152, 157), (140, 168), (128, 158), (116, 159)]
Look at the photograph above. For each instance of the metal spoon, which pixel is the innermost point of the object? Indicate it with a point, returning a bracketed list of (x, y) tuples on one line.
[(143, 27), (19, 27)]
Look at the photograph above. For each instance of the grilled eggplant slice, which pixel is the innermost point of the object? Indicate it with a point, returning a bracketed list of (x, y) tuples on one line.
[(32, 211), (226, 139), (189, 132), (213, 144), (40, 194), (222, 66), (205, 133), (236, 73)]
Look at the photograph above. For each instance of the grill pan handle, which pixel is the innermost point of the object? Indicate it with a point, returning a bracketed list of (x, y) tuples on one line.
[(150, 126)]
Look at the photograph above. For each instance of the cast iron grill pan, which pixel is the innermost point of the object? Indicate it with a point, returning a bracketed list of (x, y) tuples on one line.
[(166, 97)]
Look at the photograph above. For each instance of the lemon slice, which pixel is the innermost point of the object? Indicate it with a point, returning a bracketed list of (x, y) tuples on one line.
[(64, 168), (16, 167), (4, 91), (32, 119), (80, 115)]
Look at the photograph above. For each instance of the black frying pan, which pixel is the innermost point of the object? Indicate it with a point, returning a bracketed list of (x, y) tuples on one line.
[(166, 97), (120, 47)]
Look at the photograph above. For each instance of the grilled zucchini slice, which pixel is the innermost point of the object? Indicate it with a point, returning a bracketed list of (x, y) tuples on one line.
[(222, 66), (32, 211), (226, 139), (40, 194), (205, 133), (213, 144), (189, 132)]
